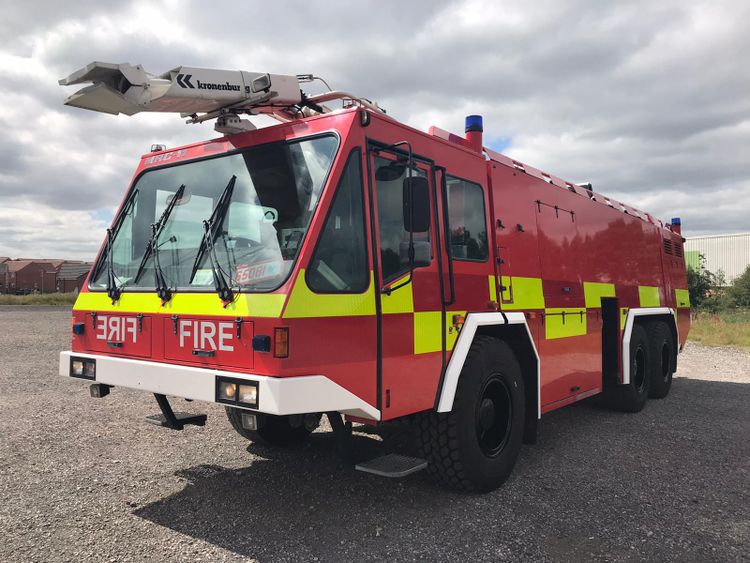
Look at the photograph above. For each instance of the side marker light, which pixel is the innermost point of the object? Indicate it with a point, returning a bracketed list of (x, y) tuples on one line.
[(281, 342)]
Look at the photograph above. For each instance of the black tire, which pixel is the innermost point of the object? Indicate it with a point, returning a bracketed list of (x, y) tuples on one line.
[(662, 359), (474, 447), (632, 397), (272, 430)]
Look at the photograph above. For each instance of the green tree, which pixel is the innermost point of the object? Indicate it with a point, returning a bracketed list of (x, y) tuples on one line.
[(739, 293), (705, 287), (699, 284)]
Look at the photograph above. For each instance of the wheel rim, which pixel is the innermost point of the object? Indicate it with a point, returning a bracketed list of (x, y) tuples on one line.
[(639, 369), (493, 416), (666, 361)]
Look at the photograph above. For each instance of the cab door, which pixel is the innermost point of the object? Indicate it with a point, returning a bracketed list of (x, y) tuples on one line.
[(411, 314)]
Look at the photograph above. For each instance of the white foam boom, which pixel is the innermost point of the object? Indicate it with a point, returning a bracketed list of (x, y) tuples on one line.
[(128, 89)]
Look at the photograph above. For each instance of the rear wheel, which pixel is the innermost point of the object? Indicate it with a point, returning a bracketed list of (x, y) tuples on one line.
[(475, 446), (274, 430), (662, 359), (632, 396)]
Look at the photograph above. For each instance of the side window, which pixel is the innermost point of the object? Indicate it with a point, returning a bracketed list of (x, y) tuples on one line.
[(394, 238), (339, 264), (468, 222)]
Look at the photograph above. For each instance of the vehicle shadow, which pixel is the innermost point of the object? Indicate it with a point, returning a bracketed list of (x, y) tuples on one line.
[(305, 502)]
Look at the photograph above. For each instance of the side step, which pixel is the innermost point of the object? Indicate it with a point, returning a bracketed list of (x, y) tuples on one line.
[(392, 465), (174, 420)]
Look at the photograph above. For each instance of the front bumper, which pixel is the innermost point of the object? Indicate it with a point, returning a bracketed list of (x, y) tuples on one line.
[(276, 395)]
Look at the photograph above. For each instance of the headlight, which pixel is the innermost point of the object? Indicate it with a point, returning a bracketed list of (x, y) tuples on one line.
[(248, 395), (227, 390), (84, 368), (239, 392)]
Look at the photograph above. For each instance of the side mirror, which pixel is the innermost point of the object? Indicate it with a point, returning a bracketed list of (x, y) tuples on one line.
[(416, 204), (391, 171), (422, 253)]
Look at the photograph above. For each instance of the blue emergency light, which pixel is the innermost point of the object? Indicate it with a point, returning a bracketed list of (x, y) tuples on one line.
[(474, 123)]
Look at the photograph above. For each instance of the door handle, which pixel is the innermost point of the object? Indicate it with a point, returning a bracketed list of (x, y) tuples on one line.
[(204, 353)]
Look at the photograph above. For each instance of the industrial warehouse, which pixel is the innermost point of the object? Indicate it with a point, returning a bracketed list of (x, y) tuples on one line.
[(725, 253)]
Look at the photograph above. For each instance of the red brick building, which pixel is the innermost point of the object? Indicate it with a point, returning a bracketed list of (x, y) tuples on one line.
[(22, 276), (25, 275)]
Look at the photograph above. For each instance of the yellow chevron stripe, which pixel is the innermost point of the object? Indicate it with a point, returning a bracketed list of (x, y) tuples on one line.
[(427, 331), (649, 296), (304, 303), (245, 305), (594, 291), (527, 293), (557, 325), (399, 301), (682, 298)]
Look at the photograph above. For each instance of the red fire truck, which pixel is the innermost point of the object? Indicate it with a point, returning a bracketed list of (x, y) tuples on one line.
[(343, 263)]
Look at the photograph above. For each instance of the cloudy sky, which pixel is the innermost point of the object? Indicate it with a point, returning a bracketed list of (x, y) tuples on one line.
[(648, 100)]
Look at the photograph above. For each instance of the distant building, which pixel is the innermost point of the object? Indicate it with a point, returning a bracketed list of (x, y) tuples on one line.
[(3, 269), (72, 275), (726, 253), (27, 275), (23, 276)]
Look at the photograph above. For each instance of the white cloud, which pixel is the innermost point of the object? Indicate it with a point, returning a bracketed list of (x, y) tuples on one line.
[(647, 100), (34, 230)]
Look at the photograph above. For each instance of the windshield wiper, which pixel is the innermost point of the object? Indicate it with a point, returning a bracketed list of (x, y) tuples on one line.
[(162, 288), (211, 228), (114, 290)]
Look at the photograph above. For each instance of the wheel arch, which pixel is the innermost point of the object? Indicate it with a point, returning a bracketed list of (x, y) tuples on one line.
[(642, 316), (512, 329)]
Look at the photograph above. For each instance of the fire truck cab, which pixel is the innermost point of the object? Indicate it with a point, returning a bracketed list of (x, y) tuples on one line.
[(343, 263)]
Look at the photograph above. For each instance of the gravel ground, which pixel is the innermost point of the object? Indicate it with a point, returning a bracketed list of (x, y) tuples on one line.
[(87, 480)]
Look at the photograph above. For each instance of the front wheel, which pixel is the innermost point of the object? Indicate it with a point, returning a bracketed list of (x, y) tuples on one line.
[(475, 446)]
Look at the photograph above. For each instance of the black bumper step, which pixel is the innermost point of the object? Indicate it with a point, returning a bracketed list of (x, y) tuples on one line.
[(392, 465), (174, 420), (180, 418)]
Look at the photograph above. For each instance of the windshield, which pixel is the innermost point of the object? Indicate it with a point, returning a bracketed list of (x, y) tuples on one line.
[(276, 189)]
